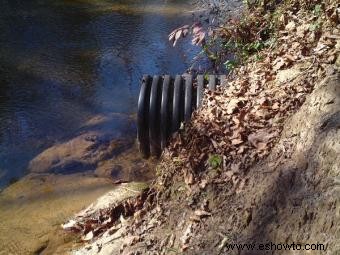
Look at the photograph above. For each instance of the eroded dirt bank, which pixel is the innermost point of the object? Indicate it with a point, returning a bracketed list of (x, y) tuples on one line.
[(259, 163), (290, 197)]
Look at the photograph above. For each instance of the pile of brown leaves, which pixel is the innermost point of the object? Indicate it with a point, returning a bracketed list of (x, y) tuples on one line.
[(242, 122), (91, 224)]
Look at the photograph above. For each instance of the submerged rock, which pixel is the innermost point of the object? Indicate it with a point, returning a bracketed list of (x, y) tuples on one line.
[(79, 154), (100, 139)]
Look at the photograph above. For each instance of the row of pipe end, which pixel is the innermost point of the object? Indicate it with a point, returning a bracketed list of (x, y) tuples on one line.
[(164, 102)]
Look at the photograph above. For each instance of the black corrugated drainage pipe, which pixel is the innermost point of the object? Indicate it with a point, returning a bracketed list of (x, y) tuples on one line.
[(164, 102)]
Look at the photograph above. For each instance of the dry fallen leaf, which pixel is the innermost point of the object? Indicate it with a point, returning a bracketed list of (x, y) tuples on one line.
[(203, 184), (188, 178), (202, 213), (187, 234), (232, 105), (176, 34), (236, 141), (195, 218), (88, 236), (70, 224), (278, 64), (291, 26)]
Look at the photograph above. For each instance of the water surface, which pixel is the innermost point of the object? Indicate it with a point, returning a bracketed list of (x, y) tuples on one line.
[(63, 62)]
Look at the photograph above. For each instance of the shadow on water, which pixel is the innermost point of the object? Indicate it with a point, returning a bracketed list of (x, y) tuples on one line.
[(64, 62)]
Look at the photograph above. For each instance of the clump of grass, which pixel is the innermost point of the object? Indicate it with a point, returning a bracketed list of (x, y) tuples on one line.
[(215, 161)]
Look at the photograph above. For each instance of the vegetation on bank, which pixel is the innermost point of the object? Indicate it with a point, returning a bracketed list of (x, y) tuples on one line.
[(280, 50), (231, 39)]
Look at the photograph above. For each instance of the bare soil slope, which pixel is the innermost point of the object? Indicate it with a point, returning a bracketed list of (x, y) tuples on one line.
[(292, 196)]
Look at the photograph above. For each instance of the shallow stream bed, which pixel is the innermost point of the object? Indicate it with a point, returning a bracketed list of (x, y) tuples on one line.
[(69, 82)]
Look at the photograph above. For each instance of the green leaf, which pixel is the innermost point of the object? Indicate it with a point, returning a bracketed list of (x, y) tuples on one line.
[(317, 10), (215, 161), (230, 64)]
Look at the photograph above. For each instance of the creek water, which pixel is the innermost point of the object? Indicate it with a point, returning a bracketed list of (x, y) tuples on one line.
[(69, 74), (63, 62)]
